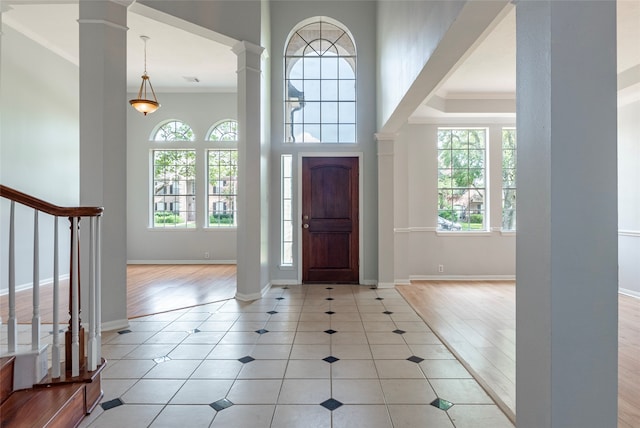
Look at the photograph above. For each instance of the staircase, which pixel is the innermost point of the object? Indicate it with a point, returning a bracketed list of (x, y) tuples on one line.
[(51, 403), (38, 387)]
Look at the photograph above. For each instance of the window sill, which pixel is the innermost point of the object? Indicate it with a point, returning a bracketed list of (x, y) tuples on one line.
[(463, 233), (172, 229)]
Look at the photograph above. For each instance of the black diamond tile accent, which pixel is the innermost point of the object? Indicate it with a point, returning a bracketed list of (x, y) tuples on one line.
[(330, 331), (331, 359), (245, 360), (194, 331), (329, 288), (399, 331), (387, 312), (329, 312), (111, 404), (372, 288), (221, 404), (441, 404), (329, 298), (272, 312), (415, 359), (379, 298), (162, 359), (59, 331), (285, 288), (331, 404), (279, 298), (262, 331), (124, 331)]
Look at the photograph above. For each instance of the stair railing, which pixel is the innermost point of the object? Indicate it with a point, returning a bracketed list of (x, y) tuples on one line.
[(75, 348)]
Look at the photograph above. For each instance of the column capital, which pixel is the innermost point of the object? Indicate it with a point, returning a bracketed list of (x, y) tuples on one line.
[(244, 46), (385, 136)]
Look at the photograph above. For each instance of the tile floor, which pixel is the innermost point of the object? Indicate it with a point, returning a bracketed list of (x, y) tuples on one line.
[(303, 356)]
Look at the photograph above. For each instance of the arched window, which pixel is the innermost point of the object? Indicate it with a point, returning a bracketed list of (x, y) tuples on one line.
[(224, 131), (222, 173), (173, 194), (320, 84), (174, 130)]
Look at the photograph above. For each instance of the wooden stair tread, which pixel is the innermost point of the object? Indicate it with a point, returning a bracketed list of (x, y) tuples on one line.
[(6, 377), (85, 376), (61, 406)]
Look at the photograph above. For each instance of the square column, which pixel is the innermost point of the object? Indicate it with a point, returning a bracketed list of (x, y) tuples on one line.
[(253, 160), (566, 264), (386, 205), (103, 142)]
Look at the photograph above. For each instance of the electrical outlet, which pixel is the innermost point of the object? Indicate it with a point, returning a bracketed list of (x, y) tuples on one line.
[(206, 254), (440, 268)]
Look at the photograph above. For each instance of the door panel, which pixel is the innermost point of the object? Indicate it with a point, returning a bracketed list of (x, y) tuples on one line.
[(330, 240)]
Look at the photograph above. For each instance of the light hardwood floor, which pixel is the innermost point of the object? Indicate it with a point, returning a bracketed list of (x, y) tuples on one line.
[(477, 321), (150, 289)]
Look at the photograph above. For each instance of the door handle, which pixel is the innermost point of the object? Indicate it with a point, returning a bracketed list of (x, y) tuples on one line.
[(306, 226)]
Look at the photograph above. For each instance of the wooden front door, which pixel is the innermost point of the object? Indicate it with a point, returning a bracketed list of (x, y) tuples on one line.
[(330, 238)]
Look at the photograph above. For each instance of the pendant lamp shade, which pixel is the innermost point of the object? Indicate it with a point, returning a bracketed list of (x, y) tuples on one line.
[(143, 103)]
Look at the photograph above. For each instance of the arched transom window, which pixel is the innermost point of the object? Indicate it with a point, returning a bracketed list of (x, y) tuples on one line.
[(174, 130), (224, 131), (320, 84)]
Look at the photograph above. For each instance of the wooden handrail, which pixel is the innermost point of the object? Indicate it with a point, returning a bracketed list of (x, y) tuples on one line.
[(40, 205)]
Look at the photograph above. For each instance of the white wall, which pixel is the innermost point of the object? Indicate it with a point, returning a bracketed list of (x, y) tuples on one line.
[(145, 244), (359, 17), (408, 33), (629, 198), (238, 20), (419, 247), (39, 145)]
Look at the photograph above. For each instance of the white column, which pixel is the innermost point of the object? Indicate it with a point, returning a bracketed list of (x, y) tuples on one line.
[(386, 235), (252, 246), (566, 293), (103, 141)]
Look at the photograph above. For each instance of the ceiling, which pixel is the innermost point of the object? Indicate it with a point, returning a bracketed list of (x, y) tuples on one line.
[(177, 58)]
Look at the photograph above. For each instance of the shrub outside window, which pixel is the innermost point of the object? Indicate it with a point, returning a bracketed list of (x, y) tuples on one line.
[(461, 179)]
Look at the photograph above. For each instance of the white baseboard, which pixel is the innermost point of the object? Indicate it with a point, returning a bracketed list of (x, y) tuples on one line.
[(115, 325), (630, 293), (253, 296), (402, 282), (386, 285), (462, 278), (369, 282), (182, 262)]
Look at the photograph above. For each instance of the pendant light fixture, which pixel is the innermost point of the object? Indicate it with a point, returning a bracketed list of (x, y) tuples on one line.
[(142, 103)]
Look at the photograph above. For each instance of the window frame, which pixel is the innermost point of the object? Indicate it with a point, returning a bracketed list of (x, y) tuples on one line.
[(513, 185), (320, 118), (454, 226), (224, 144)]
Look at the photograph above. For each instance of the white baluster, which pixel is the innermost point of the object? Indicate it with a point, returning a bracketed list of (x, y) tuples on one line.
[(75, 337), (98, 307), (35, 321), (92, 360), (55, 351), (12, 322)]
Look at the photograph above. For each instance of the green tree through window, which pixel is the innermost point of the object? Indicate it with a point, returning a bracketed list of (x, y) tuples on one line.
[(461, 179)]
